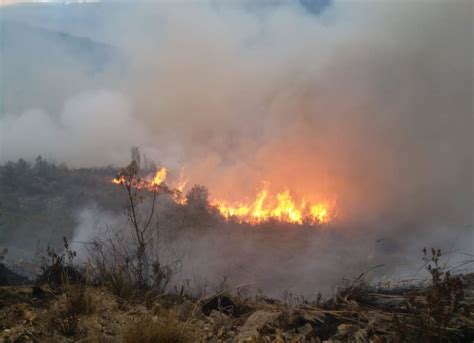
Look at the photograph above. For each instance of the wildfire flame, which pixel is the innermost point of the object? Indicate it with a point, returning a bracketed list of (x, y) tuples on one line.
[(147, 183), (160, 177), (182, 182), (266, 206), (281, 207)]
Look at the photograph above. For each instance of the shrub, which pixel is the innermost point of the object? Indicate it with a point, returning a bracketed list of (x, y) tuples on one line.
[(58, 269), (436, 313)]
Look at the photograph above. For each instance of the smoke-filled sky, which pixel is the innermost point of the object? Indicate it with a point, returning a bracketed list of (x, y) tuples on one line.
[(367, 102), (16, 2)]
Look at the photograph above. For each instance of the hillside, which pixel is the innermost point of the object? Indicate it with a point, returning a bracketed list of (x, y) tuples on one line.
[(36, 61)]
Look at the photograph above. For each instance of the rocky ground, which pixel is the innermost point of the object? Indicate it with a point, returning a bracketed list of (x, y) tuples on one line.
[(359, 313)]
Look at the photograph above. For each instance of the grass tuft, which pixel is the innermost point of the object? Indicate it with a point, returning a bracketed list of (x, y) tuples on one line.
[(165, 329), (79, 301)]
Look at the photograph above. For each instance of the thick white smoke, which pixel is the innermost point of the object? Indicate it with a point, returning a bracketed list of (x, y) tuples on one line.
[(367, 102), (92, 129)]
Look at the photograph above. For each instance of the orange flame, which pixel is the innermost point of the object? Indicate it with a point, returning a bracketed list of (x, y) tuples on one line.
[(159, 177), (149, 183), (118, 180), (182, 182), (280, 207)]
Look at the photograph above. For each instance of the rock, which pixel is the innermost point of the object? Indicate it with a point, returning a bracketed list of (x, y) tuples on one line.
[(249, 336), (263, 322), (221, 303), (219, 319)]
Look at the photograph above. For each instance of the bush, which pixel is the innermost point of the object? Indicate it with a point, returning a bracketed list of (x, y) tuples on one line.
[(148, 329), (436, 313), (58, 269)]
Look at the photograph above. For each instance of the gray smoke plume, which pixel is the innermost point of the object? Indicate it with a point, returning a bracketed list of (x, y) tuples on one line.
[(366, 102)]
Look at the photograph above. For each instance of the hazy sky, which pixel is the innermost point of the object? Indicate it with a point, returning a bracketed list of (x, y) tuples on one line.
[(11, 2)]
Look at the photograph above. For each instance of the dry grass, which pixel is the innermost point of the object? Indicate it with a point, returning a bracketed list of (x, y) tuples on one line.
[(79, 301), (62, 322), (120, 285), (164, 329), (97, 337)]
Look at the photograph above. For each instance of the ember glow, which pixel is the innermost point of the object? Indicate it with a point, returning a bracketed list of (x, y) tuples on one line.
[(266, 206)]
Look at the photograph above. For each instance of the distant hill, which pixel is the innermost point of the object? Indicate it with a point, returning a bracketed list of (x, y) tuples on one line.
[(38, 62), (51, 51)]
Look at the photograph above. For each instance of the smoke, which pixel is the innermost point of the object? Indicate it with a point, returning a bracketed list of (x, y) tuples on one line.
[(274, 258), (92, 129), (369, 103)]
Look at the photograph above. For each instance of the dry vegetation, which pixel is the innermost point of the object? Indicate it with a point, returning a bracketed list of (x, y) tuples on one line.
[(121, 295), (164, 328), (440, 311)]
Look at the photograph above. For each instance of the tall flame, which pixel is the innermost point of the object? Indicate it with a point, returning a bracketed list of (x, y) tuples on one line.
[(281, 207), (159, 177), (266, 206)]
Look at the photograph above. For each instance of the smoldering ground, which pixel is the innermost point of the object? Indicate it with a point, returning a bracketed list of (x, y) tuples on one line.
[(277, 258), (365, 102)]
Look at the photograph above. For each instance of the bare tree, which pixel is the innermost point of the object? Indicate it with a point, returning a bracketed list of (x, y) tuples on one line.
[(129, 177)]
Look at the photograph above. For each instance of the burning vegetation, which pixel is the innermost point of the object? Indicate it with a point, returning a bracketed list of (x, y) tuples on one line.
[(336, 139), (127, 291), (266, 206)]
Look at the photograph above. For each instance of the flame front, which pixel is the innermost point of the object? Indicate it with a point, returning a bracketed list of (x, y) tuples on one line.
[(150, 183), (266, 206), (281, 207)]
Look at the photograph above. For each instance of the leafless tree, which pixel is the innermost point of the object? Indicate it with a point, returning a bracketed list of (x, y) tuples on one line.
[(130, 179)]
